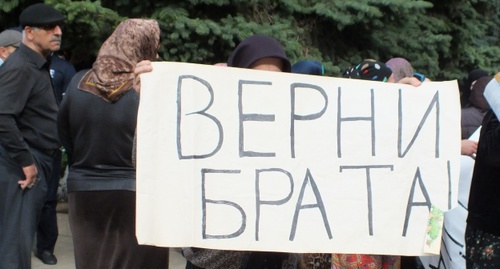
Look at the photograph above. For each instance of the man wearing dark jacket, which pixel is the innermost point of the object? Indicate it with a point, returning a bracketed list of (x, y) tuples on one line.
[(28, 133)]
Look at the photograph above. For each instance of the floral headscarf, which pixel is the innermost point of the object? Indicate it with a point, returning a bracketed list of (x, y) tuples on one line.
[(369, 70), (112, 74)]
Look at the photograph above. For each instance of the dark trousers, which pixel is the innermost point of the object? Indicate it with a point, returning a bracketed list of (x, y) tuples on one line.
[(103, 228), (47, 230), (258, 259), (20, 209)]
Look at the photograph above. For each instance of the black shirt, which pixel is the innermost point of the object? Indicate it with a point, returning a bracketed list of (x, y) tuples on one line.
[(28, 108)]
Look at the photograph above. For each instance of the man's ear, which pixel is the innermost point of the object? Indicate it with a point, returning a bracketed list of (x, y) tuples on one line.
[(28, 33)]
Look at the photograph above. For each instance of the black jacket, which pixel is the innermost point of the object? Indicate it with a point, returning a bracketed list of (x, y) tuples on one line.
[(484, 197), (98, 136), (28, 107)]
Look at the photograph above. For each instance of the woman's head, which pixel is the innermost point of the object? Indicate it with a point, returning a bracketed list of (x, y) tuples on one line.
[(370, 70), (476, 97), (308, 67), (474, 75), (260, 52), (400, 67), (132, 41)]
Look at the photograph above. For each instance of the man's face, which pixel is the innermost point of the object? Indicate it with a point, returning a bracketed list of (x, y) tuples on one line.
[(268, 64), (45, 39), (6, 51)]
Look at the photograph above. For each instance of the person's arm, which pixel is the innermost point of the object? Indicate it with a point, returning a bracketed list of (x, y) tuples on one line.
[(31, 174), (15, 89), (14, 93), (410, 81), (141, 68), (468, 148)]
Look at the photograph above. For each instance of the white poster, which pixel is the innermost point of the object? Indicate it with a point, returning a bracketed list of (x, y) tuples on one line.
[(239, 159)]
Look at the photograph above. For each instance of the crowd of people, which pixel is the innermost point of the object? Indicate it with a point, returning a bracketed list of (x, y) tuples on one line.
[(46, 105)]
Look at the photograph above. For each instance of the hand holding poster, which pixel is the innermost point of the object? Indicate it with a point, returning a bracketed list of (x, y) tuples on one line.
[(242, 159)]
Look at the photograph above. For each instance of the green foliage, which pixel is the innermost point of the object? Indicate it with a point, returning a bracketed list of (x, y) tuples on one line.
[(8, 5), (87, 25), (442, 39)]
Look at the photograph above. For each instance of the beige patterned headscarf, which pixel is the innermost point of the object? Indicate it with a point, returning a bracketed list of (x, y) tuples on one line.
[(112, 74)]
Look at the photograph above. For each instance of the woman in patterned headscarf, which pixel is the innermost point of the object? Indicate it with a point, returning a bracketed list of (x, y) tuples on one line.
[(96, 125), (400, 67), (370, 70), (377, 71), (258, 52)]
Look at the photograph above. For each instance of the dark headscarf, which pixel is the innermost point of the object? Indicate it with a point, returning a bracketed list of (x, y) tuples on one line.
[(112, 74), (475, 75), (255, 48), (466, 89), (308, 67), (369, 70), (476, 97)]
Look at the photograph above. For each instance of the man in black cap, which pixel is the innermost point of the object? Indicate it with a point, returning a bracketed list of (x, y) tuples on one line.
[(61, 72), (28, 133)]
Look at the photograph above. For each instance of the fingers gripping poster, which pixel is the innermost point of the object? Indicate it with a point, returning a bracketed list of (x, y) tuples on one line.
[(230, 158)]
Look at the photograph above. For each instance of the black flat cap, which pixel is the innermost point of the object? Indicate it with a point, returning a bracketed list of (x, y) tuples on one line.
[(40, 14), (10, 38)]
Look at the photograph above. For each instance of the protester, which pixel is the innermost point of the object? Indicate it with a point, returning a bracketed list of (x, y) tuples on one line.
[(28, 135), (96, 124), (400, 67), (61, 72), (403, 70), (482, 235), (10, 40), (308, 67), (370, 70), (312, 260), (259, 52), (375, 71), (473, 76), (473, 113)]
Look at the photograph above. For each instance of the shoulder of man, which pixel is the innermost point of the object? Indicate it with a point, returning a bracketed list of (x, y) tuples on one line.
[(16, 62)]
